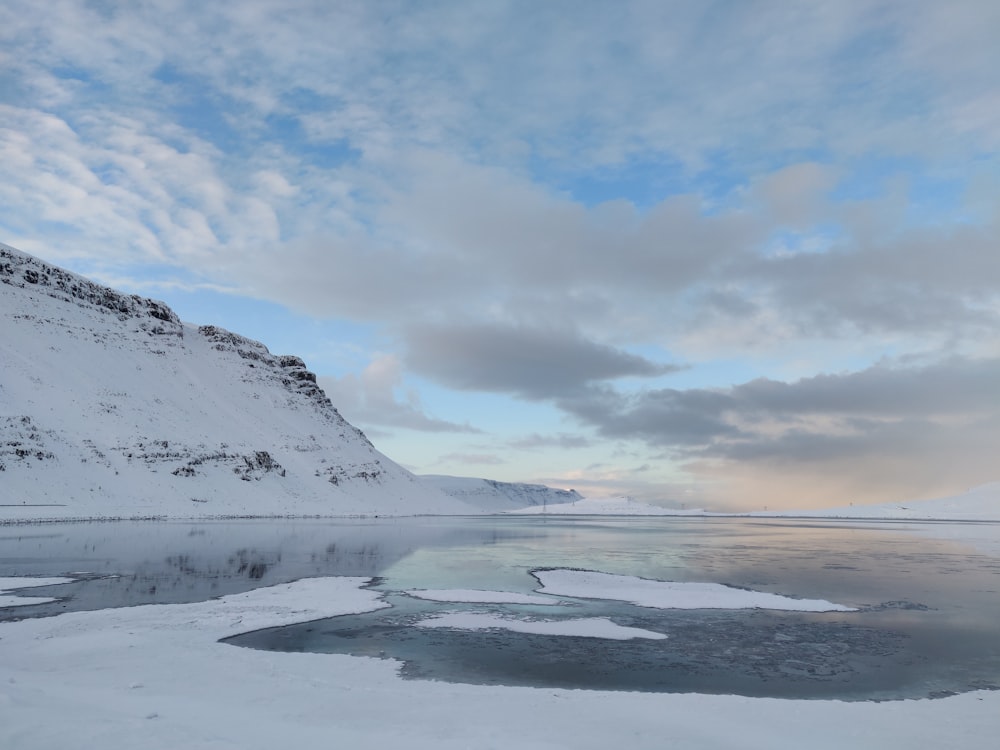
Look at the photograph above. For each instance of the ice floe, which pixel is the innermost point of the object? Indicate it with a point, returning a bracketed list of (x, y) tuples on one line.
[(585, 627), (475, 596), (588, 584), (14, 584)]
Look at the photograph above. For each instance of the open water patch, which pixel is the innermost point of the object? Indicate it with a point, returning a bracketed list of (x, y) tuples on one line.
[(927, 596), (752, 652)]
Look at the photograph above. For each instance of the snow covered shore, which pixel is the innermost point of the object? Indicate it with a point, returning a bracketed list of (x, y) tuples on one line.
[(604, 506), (157, 676), (978, 504)]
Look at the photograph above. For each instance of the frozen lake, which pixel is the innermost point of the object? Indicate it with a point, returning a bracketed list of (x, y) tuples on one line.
[(927, 602)]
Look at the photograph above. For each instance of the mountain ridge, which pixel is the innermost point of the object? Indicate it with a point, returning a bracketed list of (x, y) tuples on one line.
[(111, 406)]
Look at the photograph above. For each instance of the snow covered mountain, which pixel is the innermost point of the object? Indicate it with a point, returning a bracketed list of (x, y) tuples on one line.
[(110, 406), (491, 496), (980, 503)]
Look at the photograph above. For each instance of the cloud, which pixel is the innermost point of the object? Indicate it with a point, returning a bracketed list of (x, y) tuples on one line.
[(413, 216), (937, 281), (534, 363), (748, 419), (886, 430), (568, 441), (475, 459), (370, 399), (595, 86), (947, 388), (115, 189), (527, 199), (662, 417), (463, 240), (794, 196)]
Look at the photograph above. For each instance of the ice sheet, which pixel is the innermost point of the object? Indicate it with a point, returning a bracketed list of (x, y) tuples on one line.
[(586, 627), (588, 584), (475, 596), (13, 584)]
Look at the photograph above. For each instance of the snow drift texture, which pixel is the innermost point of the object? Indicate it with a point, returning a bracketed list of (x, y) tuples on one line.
[(110, 406)]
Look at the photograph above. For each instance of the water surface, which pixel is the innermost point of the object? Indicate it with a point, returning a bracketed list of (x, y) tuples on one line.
[(926, 626)]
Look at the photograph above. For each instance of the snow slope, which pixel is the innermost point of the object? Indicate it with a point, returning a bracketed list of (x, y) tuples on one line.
[(978, 504), (607, 506), (110, 406), (491, 496)]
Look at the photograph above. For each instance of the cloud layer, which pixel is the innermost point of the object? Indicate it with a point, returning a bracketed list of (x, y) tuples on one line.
[(725, 240)]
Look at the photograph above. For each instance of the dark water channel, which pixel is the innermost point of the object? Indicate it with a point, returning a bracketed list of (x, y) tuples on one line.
[(928, 596)]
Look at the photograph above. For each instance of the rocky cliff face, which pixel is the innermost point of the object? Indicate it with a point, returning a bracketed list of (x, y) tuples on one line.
[(23, 271), (110, 406)]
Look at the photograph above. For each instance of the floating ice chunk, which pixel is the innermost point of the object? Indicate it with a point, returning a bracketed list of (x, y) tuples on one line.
[(13, 584), (586, 627), (588, 584), (475, 596)]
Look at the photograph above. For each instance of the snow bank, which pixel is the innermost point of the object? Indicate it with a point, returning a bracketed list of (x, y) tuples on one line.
[(643, 592), (156, 677), (584, 627)]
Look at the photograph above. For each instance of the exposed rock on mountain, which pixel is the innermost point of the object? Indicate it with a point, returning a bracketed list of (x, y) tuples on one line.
[(110, 406)]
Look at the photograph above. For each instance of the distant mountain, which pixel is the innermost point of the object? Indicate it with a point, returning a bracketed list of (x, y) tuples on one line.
[(490, 496), (621, 505), (110, 406)]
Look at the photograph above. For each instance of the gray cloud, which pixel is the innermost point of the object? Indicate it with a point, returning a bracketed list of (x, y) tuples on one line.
[(736, 421), (533, 363), (663, 417), (479, 243), (887, 429), (568, 441), (370, 399), (940, 281), (951, 387), (419, 217)]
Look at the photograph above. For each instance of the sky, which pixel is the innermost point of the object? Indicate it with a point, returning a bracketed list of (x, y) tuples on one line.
[(739, 254)]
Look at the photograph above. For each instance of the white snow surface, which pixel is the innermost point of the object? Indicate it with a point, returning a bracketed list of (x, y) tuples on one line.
[(582, 627), (111, 407), (491, 496), (476, 596), (14, 583), (156, 677), (606, 506), (588, 584), (977, 504)]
